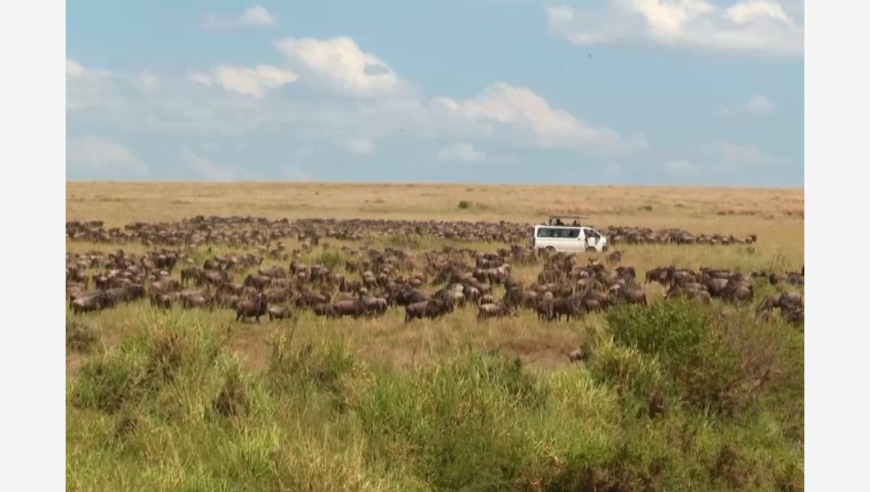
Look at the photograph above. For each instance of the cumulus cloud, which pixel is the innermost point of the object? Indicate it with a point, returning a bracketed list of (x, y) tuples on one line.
[(378, 108), (723, 162), (747, 27), (360, 146), (208, 169), (757, 104), (736, 155), (341, 63), (148, 82), (461, 152), (256, 16), (251, 17), (90, 89), (73, 68), (93, 155), (252, 82), (518, 112)]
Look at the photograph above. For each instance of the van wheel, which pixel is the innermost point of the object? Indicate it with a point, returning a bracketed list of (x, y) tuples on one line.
[(590, 249), (550, 249)]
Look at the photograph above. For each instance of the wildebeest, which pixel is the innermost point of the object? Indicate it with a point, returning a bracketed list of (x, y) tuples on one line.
[(94, 302), (497, 310), (279, 312), (252, 308)]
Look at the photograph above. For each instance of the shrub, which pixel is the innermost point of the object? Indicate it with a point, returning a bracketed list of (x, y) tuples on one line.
[(330, 258), (322, 367), (456, 422), (669, 329), (143, 365), (706, 359), (106, 384), (80, 336), (464, 204)]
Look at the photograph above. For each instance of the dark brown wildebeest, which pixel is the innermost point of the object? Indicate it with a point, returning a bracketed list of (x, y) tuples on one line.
[(324, 309), (353, 308), (252, 308), (544, 309), (570, 307), (631, 296), (189, 273)]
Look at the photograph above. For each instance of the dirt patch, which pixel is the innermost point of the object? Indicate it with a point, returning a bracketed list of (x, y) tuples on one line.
[(252, 343)]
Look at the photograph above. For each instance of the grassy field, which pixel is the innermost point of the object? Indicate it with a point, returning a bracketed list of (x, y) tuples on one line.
[(191, 400)]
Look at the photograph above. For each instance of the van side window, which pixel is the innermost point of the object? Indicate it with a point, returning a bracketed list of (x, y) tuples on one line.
[(574, 233), (542, 232)]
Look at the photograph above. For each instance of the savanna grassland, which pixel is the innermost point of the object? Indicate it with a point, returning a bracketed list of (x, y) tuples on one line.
[(677, 395)]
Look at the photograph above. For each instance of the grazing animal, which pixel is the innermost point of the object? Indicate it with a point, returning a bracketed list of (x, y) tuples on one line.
[(497, 310), (279, 312), (252, 309)]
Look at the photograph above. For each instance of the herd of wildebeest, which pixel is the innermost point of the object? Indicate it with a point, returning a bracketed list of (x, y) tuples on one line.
[(277, 283)]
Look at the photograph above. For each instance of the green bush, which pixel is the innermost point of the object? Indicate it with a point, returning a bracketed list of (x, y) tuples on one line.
[(669, 329), (106, 384), (457, 422), (695, 355), (332, 259)]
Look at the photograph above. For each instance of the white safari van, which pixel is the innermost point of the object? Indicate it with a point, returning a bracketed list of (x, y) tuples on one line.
[(568, 238)]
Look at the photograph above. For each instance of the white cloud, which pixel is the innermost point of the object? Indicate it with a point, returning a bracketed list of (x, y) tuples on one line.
[(99, 157), (73, 68), (256, 16), (747, 27), (215, 172), (340, 62), (757, 104), (514, 116), (736, 155), (200, 77), (98, 89), (148, 81), (681, 168), (461, 152), (252, 82), (251, 17), (518, 112), (724, 161), (360, 146)]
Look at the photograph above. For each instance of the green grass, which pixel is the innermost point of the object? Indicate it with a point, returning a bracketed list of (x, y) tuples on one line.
[(170, 407)]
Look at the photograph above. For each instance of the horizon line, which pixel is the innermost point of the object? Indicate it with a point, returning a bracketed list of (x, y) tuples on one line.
[(422, 183)]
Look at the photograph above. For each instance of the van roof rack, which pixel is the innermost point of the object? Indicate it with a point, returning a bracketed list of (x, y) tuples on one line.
[(558, 216)]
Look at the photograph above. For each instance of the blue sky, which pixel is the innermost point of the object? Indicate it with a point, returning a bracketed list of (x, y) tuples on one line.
[(640, 92)]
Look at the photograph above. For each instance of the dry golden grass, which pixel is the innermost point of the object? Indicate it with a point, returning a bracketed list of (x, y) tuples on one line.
[(743, 210), (776, 215)]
